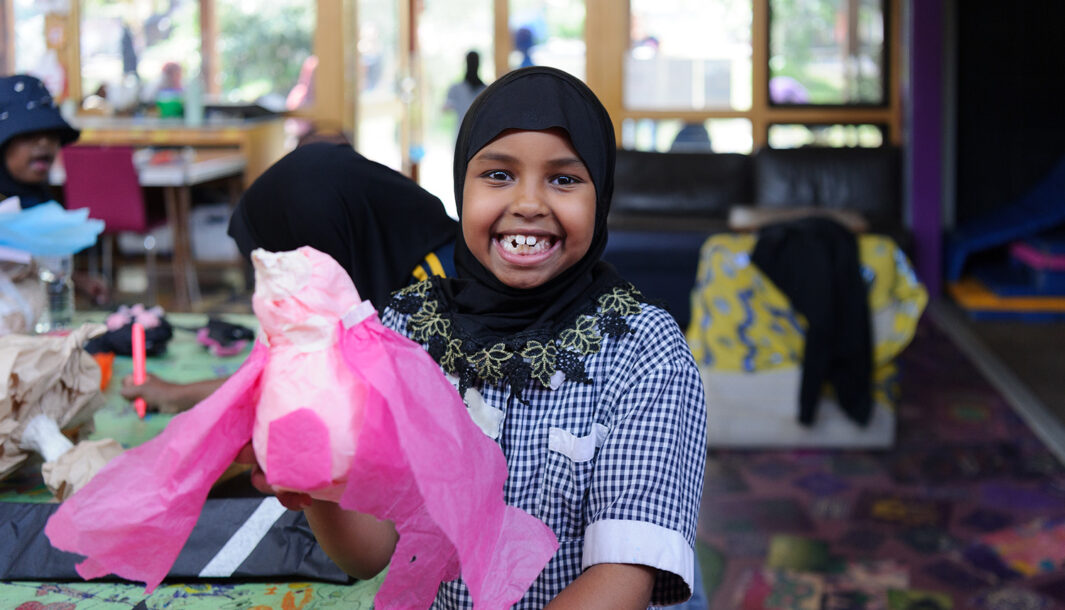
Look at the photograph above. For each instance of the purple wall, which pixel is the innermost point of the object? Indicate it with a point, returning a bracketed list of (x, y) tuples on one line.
[(926, 139)]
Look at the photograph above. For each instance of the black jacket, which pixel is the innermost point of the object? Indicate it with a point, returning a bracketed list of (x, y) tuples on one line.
[(814, 262)]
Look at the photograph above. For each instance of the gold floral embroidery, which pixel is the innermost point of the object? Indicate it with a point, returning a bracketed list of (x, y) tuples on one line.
[(619, 301), (420, 289), (427, 322), (583, 338), (489, 362), (542, 358), (452, 354)]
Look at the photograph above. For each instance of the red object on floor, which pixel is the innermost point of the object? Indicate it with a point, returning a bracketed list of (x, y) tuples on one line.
[(106, 362)]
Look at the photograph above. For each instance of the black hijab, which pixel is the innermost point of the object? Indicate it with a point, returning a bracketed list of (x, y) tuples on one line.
[(377, 223), (534, 98)]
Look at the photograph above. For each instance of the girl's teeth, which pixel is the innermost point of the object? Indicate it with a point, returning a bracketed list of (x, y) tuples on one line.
[(523, 243)]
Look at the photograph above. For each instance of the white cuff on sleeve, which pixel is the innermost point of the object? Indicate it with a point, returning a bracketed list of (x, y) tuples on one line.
[(639, 542)]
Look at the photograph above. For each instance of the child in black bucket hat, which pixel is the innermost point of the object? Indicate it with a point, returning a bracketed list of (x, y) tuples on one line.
[(31, 133)]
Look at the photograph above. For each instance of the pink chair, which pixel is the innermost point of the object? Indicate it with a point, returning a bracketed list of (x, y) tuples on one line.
[(104, 180)]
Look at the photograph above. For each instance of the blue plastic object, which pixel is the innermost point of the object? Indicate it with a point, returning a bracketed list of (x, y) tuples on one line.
[(48, 229), (1040, 209)]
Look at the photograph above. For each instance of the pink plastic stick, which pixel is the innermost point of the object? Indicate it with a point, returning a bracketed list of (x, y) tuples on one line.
[(140, 374)]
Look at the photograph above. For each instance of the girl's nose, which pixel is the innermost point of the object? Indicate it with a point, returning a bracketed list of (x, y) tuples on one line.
[(529, 201)]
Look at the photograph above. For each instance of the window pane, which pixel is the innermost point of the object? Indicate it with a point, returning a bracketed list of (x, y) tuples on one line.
[(261, 47), (548, 33), (826, 52), (675, 135), (447, 31), (30, 50), (137, 49), (380, 109), (833, 136), (689, 54)]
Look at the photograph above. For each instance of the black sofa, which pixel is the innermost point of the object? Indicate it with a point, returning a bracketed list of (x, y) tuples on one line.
[(666, 204)]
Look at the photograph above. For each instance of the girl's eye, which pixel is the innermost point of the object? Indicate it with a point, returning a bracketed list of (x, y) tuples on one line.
[(566, 180), (496, 174)]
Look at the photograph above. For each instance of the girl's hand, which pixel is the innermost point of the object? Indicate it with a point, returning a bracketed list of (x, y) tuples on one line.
[(161, 396), (289, 499), (166, 397), (92, 287), (359, 543)]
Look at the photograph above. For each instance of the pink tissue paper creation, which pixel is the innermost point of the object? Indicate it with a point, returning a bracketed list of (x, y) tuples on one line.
[(338, 406)]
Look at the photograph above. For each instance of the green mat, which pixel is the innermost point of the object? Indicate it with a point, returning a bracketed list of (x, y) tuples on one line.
[(184, 361)]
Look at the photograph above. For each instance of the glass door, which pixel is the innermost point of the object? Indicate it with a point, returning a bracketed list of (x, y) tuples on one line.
[(381, 81), (413, 65), (547, 33), (448, 32)]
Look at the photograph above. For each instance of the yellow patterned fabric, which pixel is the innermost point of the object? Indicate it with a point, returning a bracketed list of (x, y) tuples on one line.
[(742, 323)]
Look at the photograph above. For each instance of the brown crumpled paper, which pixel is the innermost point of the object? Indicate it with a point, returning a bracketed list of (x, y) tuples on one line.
[(49, 375), (67, 467), (73, 469)]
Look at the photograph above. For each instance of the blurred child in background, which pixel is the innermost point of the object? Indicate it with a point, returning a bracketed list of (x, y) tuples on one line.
[(31, 133)]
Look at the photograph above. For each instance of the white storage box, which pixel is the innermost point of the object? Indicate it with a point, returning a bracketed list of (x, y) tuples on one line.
[(132, 244), (760, 410), (207, 233)]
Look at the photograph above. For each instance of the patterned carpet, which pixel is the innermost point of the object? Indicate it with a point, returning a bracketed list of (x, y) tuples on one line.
[(966, 511)]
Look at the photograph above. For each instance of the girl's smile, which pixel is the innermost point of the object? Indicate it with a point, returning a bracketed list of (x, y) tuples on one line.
[(525, 249), (528, 210)]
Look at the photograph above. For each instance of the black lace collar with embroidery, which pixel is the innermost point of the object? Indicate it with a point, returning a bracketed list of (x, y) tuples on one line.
[(539, 355)]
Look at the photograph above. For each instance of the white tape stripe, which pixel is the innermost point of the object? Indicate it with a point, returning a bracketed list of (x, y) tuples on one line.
[(358, 313), (244, 540)]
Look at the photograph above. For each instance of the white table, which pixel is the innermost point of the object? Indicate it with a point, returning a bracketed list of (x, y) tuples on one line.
[(176, 176)]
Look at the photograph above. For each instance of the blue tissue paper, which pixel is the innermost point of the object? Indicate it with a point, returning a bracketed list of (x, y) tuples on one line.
[(49, 229)]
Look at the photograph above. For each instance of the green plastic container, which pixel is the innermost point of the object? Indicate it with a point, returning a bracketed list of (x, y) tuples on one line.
[(170, 107)]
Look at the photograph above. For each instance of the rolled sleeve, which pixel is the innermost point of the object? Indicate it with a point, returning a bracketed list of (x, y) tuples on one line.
[(645, 493), (639, 542)]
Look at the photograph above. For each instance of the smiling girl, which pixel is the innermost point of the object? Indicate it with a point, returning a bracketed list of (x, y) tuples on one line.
[(590, 391)]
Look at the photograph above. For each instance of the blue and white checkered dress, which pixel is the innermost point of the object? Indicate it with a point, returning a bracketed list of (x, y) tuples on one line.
[(614, 467)]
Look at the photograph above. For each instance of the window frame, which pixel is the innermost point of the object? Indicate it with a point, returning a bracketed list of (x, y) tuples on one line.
[(606, 37), (7, 35), (885, 79), (608, 42), (333, 105)]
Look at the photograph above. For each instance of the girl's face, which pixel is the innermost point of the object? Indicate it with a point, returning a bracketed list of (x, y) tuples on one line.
[(528, 207), (29, 156)]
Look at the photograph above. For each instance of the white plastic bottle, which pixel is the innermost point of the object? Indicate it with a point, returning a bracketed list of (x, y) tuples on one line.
[(55, 274)]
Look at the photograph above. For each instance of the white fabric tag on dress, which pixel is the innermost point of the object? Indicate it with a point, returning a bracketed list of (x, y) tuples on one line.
[(488, 418), (357, 314)]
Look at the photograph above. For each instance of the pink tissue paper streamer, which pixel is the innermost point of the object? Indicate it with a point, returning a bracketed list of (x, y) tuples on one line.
[(134, 516), (419, 461)]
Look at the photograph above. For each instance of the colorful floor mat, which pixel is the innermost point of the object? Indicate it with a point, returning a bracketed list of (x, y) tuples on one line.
[(966, 511), (199, 596)]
